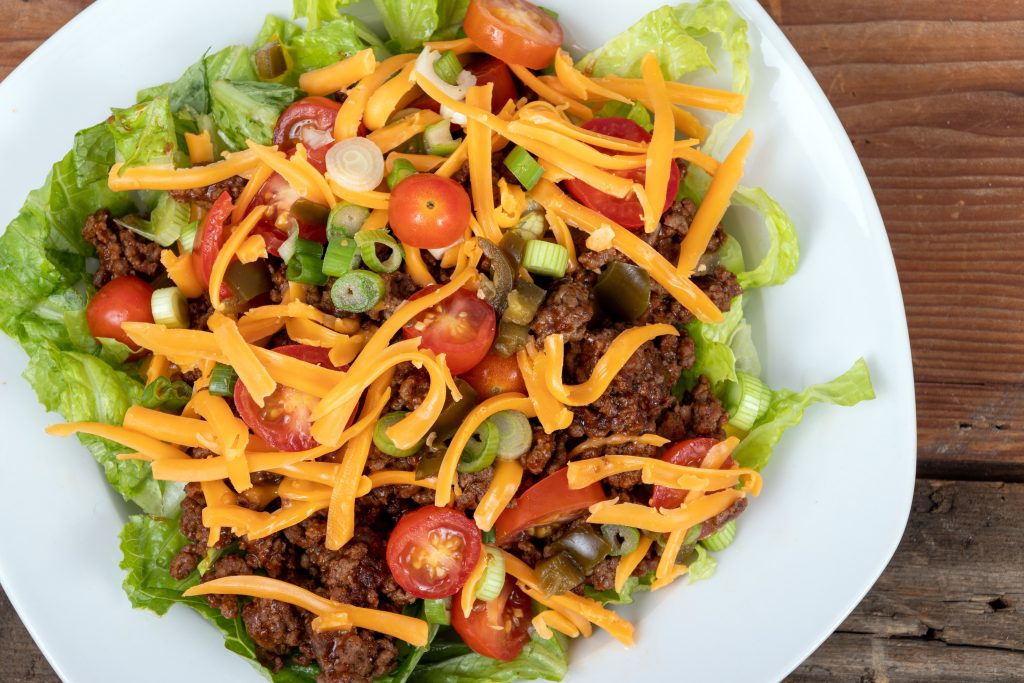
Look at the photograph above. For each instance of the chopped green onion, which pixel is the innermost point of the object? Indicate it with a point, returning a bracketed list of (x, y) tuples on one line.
[(358, 291), (163, 394), (533, 224), (523, 303), (515, 435), (545, 258), (447, 67), (169, 307), (481, 449), (306, 269), (248, 280), (386, 445), (188, 236), (510, 339), (437, 138), (341, 257), (493, 580), (400, 170), (345, 220), (287, 248), (222, 380), (749, 398), (623, 291), (304, 246), (721, 539), (367, 241), (635, 112), (168, 220), (622, 539), (310, 213), (524, 167), (438, 611), (489, 537), (271, 62)]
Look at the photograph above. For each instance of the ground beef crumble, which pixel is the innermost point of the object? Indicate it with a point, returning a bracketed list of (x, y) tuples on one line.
[(119, 250)]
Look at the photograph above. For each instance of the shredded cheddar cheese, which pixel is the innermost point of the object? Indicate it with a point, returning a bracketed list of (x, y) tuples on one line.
[(340, 75), (122, 179), (200, 148)]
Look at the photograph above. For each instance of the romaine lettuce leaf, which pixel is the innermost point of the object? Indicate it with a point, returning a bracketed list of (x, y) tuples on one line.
[(285, 31), (148, 545), (661, 32), (412, 22), (248, 110), (703, 567), (721, 349), (233, 63), (633, 585), (451, 661), (318, 11), (787, 410), (145, 134), (327, 44)]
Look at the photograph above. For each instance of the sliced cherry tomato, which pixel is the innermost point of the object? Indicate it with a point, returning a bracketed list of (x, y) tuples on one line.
[(461, 327), (626, 212), (514, 31), (429, 212), (211, 237), (123, 299), (491, 70), (316, 113), (279, 197), (495, 375), (284, 420), (688, 453), (432, 551), (547, 502), (497, 629)]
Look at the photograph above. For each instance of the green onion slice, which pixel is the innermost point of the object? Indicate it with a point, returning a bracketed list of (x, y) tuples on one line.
[(437, 138), (304, 246), (386, 445), (524, 167), (749, 398), (400, 170), (481, 449), (493, 579), (721, 539), (357, 291), (438, 611), (448, 68), (169, 219), (367, 241), (545, 258), (345, 220), (306, 269), (515, 435), (622, 539), (222, 380), (169, 307), (532, 225), (342, 256)]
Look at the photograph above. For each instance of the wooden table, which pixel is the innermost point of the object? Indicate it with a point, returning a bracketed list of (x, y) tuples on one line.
[(932, 95)]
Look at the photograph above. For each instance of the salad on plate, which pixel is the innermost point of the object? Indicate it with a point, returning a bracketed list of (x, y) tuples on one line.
[(417, 347)]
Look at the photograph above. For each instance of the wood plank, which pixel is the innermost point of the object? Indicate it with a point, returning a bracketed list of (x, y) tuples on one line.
[(22, 662), (949, 606), (27, 23)]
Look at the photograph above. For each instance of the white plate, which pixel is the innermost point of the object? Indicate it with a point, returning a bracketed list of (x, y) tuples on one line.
[(836, 496)]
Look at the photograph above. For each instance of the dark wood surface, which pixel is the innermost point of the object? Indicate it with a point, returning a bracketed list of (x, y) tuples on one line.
[(932, 96)]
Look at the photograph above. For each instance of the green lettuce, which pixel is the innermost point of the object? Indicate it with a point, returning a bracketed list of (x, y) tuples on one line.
[(703, 567), (148, 545), (248, 110), (233, 63), (721, 350), (410, 23), (635, 112), (144, 134), (661, 32), (318, 11), (787, 410), (273, 25), (780, 262), (451, 661), (633, 585), (328, 43)]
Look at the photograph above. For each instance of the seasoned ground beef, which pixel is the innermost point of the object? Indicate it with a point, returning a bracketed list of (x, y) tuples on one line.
[(206, 196), (229, 565), (199, 311), (399, 288), (356, 656), (700, 413), (474, 486), (724, 517), (119, 250), (567, 309), (409, 386)]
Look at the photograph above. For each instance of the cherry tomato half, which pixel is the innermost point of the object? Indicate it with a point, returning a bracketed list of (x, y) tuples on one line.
[(123, 299), (514, 31), (428, 212), (688, 453), (497, 629), (548, 501), (278, 196), (284, 420), (491, 70), (211, 236), (303, 122), (461, 327), (432, 551), (626, 212), (495, 375)]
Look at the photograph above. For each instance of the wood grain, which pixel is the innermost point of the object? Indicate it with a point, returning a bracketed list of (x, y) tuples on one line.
[(932, 97)]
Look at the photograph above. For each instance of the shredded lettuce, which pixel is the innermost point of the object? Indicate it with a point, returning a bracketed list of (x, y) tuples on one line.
[(248, 110), (275, 26), (144, 134), (233, 63), (780, 262), (633, 585), (787, 410), (410, 23), (635, 112), (660, 32), (721, 350), (450, 661), (703, 567), (318, 11), (327, 44)]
